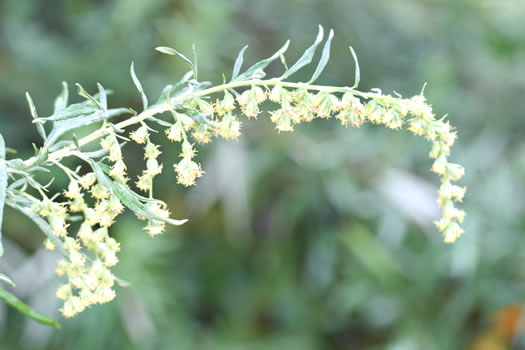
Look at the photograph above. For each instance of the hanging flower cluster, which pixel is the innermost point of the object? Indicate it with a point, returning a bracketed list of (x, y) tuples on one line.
[(97, 197)]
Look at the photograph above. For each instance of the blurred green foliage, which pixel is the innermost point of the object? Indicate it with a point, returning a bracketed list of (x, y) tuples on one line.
[(321, 239)]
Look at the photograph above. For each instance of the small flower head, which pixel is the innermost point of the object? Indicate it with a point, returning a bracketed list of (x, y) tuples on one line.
[(151, 150), (140, 135), (226, 105), (73, 190), (100, 191), (118, 171), (175, 132), (87, 180), (187, 171)]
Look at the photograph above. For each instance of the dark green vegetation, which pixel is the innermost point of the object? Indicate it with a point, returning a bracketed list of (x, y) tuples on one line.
[(320, 239)]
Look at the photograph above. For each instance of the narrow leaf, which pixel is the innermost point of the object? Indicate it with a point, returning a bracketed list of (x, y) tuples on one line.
[(102, 97), (195, 64), (324, 58), (357, 71), (39, 127), (3, 187), (283, 61), (62, 99), (87, 96), (13, 301), (307, 56), (128, 197), (43, 226), (72, 111), (63, 126), (7, 280), (259, 66), (137, 83), (238, 63), (173, 52)]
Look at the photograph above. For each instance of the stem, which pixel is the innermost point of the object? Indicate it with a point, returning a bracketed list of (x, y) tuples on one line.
[(164, 107)]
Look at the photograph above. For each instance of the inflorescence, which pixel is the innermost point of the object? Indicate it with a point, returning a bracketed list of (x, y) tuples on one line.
[(99, 195)]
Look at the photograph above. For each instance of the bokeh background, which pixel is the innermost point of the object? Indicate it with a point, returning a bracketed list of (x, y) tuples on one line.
[(320, 239)]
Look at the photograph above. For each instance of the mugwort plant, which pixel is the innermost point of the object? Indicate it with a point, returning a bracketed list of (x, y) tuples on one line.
[(189, 112)]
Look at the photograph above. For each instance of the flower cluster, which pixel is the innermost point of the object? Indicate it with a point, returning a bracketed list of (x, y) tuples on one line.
[(303, 105), (89, 280)]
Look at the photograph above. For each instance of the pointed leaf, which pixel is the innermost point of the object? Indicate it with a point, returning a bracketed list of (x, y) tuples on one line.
[(43, 226), (72, 111), (87, 96), (173, 52), (324, 58), (7, 280), (62, 99), (259, 66), (3, 187), (63, 126), (13, 301), (39, 127), (128, 197), (195, 61), (238, 63), (103, 98), (357, 71), (137, 83), (307, 56)]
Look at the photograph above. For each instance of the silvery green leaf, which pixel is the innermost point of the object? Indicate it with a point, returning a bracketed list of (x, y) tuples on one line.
[(13, 301), (238, 63), (137, 83), (307, 56), (324, 58), (43, 226), (82, 92), (63, 126), (62, 99), (39, 127), (3, 187), (129, 198), (357, 71), (7, 280), (173, 52), (195, 62), (259, 66), (103, 98), (72, 111)]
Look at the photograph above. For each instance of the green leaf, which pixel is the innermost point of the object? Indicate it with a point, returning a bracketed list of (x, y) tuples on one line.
[(129, 198), (307, 56), (102, 97), (43, 226), (39, 127), (258, 68), (173, 52), (63, 126), (324, 58), (238, 63), (195, 61), (137, 83), (62, 99), (87, 96), (357, 71), (3, 187), (13, 301), (7, 280), (72, 111)]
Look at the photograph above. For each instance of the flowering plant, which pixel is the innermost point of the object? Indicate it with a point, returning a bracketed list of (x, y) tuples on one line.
[(193, 111)]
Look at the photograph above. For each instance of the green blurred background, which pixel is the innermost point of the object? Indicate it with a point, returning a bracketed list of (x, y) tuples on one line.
[(320, 239)]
